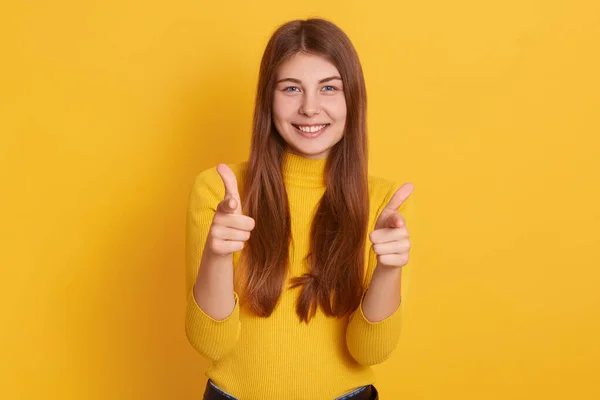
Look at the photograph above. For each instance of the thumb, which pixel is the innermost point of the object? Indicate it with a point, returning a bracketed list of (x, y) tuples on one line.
[(228, 206), (395, 220)]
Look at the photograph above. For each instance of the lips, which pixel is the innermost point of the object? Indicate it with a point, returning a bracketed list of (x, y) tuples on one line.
[(310, 131)]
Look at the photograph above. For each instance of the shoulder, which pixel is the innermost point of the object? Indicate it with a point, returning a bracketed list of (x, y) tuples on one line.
[(208, 181), (381, 189)]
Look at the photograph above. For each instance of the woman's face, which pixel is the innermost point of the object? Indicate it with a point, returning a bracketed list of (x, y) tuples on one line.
[(309, 107)]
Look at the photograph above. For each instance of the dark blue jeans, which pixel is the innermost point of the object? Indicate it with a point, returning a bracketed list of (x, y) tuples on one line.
[(363, 393)]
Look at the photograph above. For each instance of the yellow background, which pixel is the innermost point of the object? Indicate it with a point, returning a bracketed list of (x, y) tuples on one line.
[(109, 109)]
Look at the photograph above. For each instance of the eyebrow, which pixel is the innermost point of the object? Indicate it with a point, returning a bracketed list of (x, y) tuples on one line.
[(330, 78)]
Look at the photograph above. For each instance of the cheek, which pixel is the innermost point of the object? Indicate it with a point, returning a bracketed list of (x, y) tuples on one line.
[(343, 112), (337, 109), (283, 108)]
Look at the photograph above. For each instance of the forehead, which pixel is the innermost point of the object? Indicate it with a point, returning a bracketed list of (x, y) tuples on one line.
[(307, 67)]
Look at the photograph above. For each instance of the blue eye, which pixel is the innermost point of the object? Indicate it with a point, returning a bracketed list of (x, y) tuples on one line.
[(329, 88), (291, 89)]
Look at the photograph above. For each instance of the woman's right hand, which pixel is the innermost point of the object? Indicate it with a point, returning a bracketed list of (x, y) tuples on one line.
[(230, 229)]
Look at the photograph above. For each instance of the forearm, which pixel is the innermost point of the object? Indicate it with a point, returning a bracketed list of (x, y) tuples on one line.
[(374, 329), (212, 317), (383, 295), (213, 290)]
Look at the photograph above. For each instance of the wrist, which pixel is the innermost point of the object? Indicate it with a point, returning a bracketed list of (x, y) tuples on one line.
[(390, 272)]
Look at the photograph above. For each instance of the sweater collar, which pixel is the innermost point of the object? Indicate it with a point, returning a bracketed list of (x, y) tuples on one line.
[(303, 171)]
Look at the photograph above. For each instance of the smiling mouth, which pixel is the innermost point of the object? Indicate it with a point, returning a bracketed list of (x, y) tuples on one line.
[(310, 129)]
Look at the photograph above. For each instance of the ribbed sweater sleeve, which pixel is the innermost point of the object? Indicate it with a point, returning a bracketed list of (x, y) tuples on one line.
[(371, 343), (211, 338)]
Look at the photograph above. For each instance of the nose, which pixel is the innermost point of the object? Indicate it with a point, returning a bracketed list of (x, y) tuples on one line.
[(310, 105)]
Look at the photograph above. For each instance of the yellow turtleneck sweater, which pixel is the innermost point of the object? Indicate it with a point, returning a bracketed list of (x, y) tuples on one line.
[(279, 357)]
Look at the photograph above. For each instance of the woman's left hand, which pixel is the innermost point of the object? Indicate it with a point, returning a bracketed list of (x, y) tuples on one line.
[(390, 238)]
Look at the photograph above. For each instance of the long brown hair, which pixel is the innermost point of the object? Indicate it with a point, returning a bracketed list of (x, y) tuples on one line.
[(339, 227)]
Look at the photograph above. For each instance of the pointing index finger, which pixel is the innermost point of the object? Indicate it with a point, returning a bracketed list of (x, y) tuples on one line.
[(229, 180), (400, 196)]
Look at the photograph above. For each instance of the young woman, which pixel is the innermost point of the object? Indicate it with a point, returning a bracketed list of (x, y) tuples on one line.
[(285, 296)]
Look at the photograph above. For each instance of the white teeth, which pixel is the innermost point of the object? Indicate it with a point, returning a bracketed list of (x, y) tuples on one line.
[(311, 129)]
